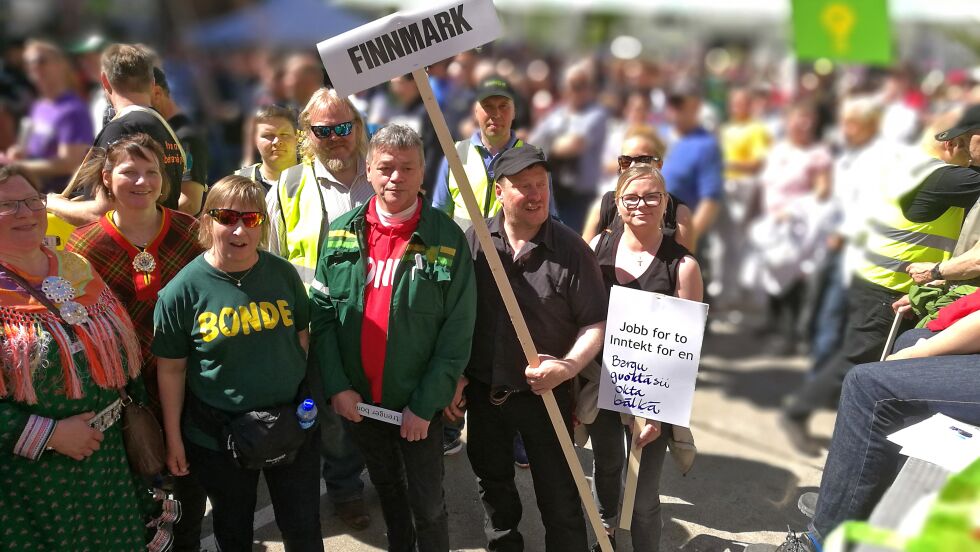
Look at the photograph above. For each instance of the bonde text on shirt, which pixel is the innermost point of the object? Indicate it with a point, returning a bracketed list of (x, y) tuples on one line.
[(245, 319)]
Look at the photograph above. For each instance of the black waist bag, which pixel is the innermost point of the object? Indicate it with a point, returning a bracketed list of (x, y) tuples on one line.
[(258, 439), (265, 438)]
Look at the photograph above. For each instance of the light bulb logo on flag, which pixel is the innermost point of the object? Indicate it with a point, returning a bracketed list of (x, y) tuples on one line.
[(839, 20)]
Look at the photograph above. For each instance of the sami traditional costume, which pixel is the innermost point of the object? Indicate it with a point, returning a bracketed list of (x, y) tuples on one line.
[(136, 275), (48, 501)]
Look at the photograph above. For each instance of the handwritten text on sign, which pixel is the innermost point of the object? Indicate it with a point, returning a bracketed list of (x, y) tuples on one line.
[(406, 41), (650, 355)]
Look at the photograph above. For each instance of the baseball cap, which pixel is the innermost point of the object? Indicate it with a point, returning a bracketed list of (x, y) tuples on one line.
[(516, 160), (970, 120), (494, 86)]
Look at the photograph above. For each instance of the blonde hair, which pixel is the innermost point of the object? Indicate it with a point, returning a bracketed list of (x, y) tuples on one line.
[(228, 191), (322, 98), (648, 134), (637, 172)]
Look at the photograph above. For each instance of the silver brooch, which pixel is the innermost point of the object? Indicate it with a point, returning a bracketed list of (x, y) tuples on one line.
[(144, 262), (57, 289), (61, 292), (73, 312)]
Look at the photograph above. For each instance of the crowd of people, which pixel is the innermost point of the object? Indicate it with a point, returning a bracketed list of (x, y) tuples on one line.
[(340, 264)]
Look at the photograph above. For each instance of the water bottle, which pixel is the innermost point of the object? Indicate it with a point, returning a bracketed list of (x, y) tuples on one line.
[(306, 412)]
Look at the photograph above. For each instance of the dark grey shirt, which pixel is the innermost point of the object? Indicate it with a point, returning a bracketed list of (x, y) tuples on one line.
[(558, 287)]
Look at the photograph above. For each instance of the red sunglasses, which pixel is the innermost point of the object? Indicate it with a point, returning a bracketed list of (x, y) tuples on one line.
[(228, 217)]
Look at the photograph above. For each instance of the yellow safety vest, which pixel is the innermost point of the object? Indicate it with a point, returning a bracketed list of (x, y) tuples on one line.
[(480, 182), (251, 172), (301, 223), (894, 242)]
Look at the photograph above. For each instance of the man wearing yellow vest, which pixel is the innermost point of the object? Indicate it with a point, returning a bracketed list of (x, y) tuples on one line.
[(916, 219), (494, 112), (329, 182)]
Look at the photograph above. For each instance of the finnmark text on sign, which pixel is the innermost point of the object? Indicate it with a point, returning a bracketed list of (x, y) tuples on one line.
[(406, 41)]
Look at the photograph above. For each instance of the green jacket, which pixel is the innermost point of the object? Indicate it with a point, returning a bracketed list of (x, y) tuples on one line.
[(430, 326)]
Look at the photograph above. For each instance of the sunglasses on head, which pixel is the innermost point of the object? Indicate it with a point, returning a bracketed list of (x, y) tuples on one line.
[(324, 131), (228, 217), (626, 161)]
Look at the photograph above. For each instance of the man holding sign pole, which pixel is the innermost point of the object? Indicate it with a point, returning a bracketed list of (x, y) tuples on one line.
[(393, 304), (559, 288)]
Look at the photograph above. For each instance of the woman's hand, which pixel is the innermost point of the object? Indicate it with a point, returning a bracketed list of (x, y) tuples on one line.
[(649, 433), (177, 457), (74, 438)]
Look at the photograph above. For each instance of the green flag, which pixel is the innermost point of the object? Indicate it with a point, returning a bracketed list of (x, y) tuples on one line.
[(843, 30)]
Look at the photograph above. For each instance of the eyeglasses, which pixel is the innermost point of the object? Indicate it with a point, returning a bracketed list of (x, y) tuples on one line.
[(32, 203), (228, 217), (632, 201), (324, 131), (626, 161)]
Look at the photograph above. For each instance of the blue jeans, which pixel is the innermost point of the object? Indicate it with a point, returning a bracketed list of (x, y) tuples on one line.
[(878, 399), (831, 312), (342, 461), (293, 489), (408, 477)]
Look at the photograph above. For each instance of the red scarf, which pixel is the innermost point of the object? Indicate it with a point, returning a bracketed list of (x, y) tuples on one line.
[(386, 246)]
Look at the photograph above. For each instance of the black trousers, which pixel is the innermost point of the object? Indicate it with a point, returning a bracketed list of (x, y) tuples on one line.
[(869, 317), (490, 447), (408, 477)]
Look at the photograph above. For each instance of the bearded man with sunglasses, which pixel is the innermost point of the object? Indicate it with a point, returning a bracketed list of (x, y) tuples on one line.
[(329, 182)]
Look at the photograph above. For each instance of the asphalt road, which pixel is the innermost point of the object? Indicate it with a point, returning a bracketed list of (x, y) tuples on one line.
[(743, 488)]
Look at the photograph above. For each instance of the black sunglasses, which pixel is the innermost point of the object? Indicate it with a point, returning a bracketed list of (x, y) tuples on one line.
[(324, 131), (626, 161)]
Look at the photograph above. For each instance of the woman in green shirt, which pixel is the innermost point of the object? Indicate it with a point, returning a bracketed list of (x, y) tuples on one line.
[(231, 333)]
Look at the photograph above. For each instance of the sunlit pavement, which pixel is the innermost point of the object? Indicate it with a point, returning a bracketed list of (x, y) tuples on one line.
[(743, 488)]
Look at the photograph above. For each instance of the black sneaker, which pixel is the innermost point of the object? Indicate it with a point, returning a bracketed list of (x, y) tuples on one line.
[(450, 448)]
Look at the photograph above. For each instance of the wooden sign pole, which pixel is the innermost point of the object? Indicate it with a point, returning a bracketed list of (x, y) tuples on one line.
[(510, 301), (629, 493)]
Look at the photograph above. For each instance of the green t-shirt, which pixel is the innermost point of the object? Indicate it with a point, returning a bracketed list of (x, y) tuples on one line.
[(241, 343)]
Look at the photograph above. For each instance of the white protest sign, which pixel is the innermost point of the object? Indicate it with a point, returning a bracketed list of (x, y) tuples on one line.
[(650, 355), (406, 41), (378, 413)]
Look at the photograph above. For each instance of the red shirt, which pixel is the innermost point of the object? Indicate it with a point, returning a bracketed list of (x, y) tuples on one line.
[(386, 246)]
